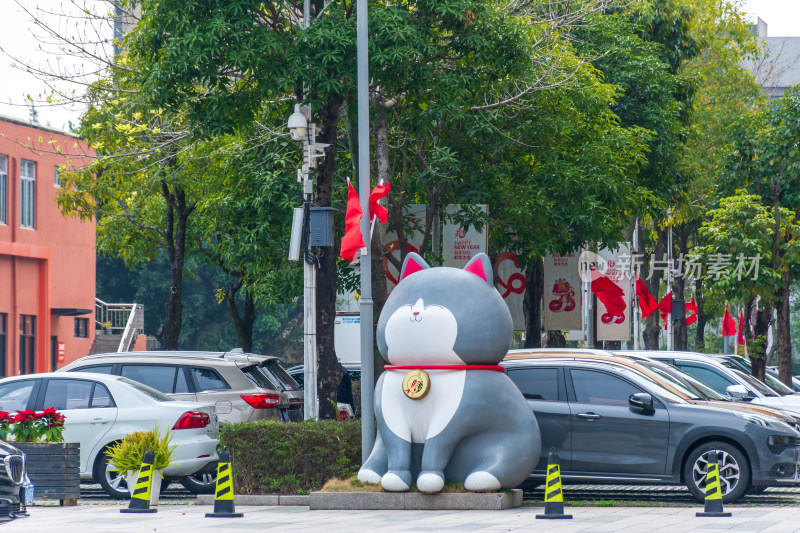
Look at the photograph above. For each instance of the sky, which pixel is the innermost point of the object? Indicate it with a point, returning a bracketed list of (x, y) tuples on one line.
[(17, 40)]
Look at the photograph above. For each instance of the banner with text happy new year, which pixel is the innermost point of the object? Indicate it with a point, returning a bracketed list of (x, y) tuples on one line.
[(460, 245)]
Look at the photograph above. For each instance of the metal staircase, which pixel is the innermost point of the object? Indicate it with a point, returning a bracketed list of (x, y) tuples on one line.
[(117, 326)]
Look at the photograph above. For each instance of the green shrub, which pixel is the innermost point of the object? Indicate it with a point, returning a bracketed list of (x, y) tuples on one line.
[(291, 458), (128, 453)]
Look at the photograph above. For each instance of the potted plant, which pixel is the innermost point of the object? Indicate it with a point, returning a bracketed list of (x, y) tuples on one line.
[(53, 465), (126, 457)]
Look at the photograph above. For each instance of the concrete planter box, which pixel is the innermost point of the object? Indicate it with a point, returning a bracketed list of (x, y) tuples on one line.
[(481, 501), (54, 470)]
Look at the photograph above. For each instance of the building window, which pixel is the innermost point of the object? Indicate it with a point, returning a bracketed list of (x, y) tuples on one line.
[(27, 334), (81, 327), (27, 194), (57, 176), (3, 326), (3, 189)]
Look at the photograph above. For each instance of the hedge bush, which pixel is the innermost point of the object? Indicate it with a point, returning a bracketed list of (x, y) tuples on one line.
[(291, 458)]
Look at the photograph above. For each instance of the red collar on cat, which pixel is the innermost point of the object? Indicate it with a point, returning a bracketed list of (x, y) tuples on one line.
[(496, 368)]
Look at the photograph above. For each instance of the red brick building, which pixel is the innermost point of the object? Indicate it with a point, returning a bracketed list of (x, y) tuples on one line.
[(47, 261)]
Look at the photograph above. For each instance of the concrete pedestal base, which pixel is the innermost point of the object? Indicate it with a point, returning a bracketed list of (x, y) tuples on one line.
[(479, 501)]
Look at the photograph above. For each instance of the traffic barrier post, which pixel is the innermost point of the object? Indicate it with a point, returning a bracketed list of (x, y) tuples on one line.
[(223, 495), (713, 501), (553, 496), (140, 494)]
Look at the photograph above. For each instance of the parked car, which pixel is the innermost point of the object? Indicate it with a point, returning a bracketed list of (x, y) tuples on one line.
[(101, 409), (243, 387), (345, 409), (725, 379), (771, 376), (16, 491), (608, 421)]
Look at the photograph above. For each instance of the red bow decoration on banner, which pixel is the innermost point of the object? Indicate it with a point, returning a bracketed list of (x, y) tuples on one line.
[(728, 324), (376, 209), (691, 306), (352, 241), (611, 295)]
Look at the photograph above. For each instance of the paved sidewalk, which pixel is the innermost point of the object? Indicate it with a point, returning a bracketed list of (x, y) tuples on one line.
[(191, 518)]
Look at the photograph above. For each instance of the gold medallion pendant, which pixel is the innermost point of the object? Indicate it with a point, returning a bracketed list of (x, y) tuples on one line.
[(416, 384)]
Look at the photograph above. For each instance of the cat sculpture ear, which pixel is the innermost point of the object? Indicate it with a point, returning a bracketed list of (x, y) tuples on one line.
[(413, 263), (481, 267)]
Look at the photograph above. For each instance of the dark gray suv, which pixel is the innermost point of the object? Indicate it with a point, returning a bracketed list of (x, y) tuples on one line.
[(609, 422)]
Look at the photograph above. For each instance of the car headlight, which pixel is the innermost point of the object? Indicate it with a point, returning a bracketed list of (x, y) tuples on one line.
[(781, 441)]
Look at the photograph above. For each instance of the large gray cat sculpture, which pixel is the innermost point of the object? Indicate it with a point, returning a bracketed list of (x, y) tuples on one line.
[(473, 426)]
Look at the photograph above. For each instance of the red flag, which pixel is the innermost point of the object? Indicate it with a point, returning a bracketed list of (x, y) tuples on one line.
[(352, 241), (740, 338), (691, 306), (728, 324), (647, 303), (375, 209), (665, 306)]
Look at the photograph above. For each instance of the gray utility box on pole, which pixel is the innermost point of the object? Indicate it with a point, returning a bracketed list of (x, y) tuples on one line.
[(321, 226)]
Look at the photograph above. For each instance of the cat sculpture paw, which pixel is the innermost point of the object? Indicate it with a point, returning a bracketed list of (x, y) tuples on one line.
[(396, 481), (430, 482)]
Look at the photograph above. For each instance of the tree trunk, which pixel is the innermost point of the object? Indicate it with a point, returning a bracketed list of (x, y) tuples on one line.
[(784, 337), (652, 328), (242, 323), (175, 237), (532, 303), (379, 287), (328, 369), (757, 345)]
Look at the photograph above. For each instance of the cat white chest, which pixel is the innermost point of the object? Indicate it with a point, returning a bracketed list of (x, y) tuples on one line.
[(419, 420)]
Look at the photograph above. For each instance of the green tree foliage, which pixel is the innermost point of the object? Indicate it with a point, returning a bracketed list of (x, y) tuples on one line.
[(743, 228)]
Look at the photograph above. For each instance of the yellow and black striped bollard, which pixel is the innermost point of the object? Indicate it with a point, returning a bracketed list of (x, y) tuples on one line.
[(713, 503), (223, 495), (140, 494), (553, 497)]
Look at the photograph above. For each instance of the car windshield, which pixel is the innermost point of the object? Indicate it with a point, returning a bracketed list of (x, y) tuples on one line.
[(769, 379), (690, 389), (754, 383), (144, 389), (664, 393), (683, 381), (276, 375)]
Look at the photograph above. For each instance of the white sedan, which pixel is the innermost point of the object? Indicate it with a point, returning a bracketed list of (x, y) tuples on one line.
[(101, 409)]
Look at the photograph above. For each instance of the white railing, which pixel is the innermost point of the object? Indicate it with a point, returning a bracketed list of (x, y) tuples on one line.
[(129, 335), (112, 317)]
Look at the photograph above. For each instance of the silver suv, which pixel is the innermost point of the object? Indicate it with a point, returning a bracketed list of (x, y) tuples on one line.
[(243, 387)]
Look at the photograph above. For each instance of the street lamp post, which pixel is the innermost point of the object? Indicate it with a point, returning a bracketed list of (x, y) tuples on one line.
[(365, 300)]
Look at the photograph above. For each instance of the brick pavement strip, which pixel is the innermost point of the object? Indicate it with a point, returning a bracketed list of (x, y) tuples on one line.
[(181, 518)]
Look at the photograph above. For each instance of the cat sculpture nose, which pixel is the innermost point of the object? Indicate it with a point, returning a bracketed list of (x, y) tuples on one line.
[(419, 305)]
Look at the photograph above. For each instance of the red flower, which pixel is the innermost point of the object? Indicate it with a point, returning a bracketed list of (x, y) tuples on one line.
[(5, 418), (26, 415), (52, 417)]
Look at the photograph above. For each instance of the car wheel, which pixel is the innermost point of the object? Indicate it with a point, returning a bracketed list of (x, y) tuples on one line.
[(734, 471), (203, 482), (112, 481)]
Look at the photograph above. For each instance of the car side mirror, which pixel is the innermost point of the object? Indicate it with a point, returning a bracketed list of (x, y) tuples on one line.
[(642, 401), (737, 392)]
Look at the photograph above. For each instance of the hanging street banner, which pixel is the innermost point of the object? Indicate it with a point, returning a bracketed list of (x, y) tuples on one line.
[(511, 286), (416, 216), (614, 315), (459, 245), (562, 292)]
